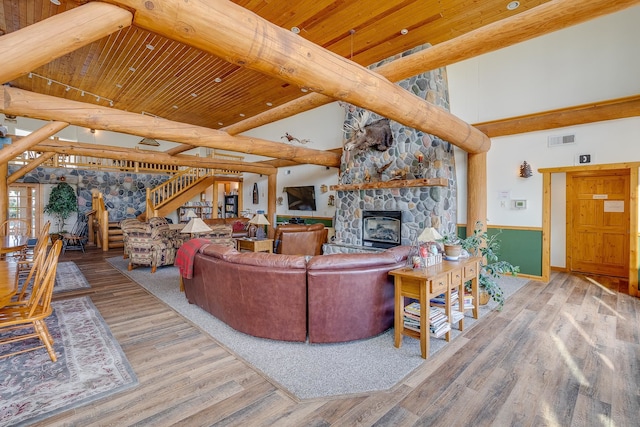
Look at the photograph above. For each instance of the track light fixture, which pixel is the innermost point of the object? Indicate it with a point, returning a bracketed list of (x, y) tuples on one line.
[(68, 88)]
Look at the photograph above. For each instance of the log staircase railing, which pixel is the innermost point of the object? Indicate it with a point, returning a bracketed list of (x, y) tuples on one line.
[(165, 192), (101, 221)]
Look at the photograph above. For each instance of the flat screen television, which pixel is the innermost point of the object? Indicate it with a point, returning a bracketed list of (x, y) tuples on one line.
[(301, 198)]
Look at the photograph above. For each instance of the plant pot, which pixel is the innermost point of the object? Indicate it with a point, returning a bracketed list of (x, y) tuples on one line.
[(452, 251), (54, 237), (483, 297)]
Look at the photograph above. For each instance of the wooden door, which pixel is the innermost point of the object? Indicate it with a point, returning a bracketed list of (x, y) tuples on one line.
[(598, 222)]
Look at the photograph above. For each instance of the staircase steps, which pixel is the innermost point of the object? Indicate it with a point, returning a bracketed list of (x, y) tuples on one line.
[(115, 236)]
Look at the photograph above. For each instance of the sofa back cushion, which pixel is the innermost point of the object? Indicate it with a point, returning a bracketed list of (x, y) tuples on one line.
[(339, 282), (260, 294)]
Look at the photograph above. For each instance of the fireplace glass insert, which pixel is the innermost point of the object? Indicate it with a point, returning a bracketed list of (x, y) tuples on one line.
[(381, 229)]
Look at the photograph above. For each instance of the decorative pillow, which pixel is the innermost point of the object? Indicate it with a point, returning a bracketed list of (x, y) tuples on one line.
[(238, 226)]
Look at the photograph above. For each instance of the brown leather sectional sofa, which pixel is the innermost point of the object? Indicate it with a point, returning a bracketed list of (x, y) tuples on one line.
[(327, 298)]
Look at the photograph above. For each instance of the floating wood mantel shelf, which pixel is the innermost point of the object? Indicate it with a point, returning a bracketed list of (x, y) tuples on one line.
[(399, 183)]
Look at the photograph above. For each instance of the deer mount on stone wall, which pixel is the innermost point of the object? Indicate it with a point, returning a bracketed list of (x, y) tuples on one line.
[(376, 134)]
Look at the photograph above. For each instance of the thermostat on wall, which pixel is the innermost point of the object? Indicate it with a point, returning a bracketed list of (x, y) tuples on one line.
[(519, 204)]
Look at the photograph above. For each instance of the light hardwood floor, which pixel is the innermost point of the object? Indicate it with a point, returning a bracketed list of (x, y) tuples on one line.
[(565, 353)]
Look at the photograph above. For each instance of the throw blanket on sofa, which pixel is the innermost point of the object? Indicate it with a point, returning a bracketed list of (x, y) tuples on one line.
[(185, 255)]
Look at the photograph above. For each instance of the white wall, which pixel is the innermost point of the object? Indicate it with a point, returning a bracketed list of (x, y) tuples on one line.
[(323, 127), (594, 61)]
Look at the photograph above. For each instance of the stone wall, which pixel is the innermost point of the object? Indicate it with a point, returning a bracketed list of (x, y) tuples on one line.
[(125, 193), (414, 154)]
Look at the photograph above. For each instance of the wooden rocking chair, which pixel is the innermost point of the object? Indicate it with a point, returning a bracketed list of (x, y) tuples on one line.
[(34, 311)]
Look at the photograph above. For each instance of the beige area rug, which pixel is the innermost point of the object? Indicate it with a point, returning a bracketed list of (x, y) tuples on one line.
[(306, 370)]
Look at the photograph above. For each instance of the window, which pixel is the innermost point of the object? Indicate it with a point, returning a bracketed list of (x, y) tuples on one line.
[(24, 204)]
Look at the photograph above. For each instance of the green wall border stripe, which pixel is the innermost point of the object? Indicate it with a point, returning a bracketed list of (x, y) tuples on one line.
[(518, 246)]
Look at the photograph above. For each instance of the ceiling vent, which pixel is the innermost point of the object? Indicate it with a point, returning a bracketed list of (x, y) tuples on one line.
[(556, 141)]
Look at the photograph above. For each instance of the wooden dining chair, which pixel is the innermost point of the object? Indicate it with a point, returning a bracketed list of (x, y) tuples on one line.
[(34, 312), (31, 262), (15, 227)]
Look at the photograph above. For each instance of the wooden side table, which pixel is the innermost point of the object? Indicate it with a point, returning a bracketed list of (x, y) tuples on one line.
[(426, 283), (255, 245)]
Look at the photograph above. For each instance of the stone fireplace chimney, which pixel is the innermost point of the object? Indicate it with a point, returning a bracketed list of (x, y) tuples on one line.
[(412, 155)]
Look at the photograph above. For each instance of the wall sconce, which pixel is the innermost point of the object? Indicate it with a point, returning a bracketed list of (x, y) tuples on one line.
[(525, 170)]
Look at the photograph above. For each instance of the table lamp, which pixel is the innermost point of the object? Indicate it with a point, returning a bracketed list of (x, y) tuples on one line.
[(195, 227), (429, 234), (260, 220), (190, 214)]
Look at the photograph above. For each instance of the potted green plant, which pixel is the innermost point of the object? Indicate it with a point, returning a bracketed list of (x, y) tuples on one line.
[(62, 203), (452, 246), (488, 247)]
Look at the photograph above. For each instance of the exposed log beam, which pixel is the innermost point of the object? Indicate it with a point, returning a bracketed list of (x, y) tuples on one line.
[(28, 104), (241, 37), (121, 153), (31, 47), (540, 20), (577, 115), (20, 146), (29, 167)]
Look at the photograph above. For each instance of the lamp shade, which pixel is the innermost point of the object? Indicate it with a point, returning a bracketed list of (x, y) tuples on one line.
[(259, 219), (196, 225), (429, 235), (191, 214)]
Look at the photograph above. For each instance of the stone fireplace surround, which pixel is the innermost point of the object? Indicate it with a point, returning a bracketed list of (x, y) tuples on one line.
[(421, 207)]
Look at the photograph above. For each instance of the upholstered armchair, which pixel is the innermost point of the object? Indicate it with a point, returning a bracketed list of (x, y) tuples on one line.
[(150, 243), (221, 234), (300, 239)]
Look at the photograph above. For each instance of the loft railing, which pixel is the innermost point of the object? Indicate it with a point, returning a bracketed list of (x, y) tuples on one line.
[(73, 161), (96, 163)]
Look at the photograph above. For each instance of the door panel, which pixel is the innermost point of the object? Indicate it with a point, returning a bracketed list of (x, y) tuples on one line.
[(598, 222), (24, 204)]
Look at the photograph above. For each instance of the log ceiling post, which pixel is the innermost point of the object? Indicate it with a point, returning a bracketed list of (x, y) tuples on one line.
[(31, 47), (272, 182), (240, 36), (29, 167), (28, 104), (4, 192), (476, 190), (20, 146)]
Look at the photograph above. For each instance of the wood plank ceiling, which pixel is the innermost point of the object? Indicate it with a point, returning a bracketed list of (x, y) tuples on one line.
[(139, 71)]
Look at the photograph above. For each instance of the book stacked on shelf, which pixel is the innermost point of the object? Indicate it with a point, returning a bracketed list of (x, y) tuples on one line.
[(438, 320), (440, 302)]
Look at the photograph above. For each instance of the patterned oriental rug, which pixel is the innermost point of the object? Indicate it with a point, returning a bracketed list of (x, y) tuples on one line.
[(90, 366), (68, 278)]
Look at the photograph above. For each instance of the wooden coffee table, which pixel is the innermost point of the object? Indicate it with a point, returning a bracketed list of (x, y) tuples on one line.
[(255, 245)]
